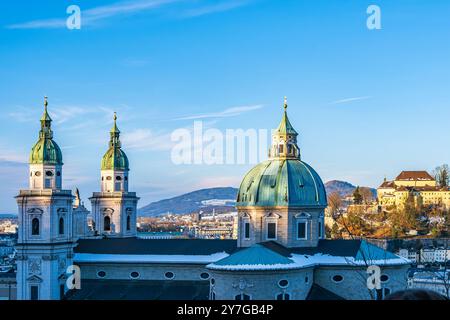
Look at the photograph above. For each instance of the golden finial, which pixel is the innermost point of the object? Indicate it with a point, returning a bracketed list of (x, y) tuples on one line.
[(115, 116), (45, 102), (285, 103)]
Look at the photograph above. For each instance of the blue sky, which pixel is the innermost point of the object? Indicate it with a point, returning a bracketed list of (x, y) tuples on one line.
[(367, 103)]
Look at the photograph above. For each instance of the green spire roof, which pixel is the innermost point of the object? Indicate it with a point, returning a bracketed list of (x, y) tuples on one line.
[(285, 126), (46, 151), (115, 158)]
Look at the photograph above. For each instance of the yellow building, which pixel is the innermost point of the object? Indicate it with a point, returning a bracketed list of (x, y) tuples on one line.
[(420, 184)]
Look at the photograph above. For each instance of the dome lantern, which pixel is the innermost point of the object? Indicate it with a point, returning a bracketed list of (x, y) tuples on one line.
[(284, 139)]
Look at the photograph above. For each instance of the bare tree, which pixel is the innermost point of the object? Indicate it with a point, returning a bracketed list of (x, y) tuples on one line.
[(335, 204), (367, 195), (441, 174)]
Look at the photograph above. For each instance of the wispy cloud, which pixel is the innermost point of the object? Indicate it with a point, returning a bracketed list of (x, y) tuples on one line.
[(96, 14), (218, 7), (146, 139), (10, 157), (230, 112), (350, 100)]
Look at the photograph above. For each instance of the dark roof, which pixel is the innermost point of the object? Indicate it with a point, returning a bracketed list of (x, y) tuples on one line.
[(155, 246), (414, 175), (278, 248), (319, 293), (140, 290), (10, 275), (342, 248)]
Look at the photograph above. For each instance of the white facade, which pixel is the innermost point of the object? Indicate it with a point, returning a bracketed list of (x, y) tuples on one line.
[(43, 176), (114, 213), (45, 243)]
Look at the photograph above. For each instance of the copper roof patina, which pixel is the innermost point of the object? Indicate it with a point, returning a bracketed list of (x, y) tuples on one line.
[(46, 150), (115, 158)]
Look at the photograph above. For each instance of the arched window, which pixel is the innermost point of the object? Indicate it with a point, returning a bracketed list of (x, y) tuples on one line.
[(61, 226), (128, 223), (107, 223), (289, 146), (35, 229)]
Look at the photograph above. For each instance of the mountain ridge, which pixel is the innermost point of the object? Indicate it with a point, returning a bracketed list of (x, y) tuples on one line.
[(220, 199)]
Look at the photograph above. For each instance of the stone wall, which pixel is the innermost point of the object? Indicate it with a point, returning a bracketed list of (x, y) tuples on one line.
[(261, 285), (354, 283), (147, 271)]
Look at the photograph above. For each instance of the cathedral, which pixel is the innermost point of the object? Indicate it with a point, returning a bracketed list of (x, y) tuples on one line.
[(281, 252)]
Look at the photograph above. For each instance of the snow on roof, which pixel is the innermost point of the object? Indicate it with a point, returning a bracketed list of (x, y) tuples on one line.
[(258, 257), (139, 258), (305, 261)]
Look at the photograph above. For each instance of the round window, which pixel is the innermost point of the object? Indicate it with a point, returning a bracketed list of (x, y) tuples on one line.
[(108, 178), (58, 174), (38, 173), (204, 276), (169, 275), (119, 178), (338, 278), (49, 174), (134, 274), (384, 278), (283, 283), (101, 274)]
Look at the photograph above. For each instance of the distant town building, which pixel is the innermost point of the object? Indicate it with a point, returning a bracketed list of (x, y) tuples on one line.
[(8, 226), (438, 281), (420, 184), (426, 255)]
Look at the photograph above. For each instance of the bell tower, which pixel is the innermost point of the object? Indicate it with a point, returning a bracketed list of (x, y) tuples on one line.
[(114, 209), (45, 243), (46, 158)]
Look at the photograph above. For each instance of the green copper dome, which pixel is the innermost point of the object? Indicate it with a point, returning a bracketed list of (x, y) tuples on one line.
[(46, 151), (115, 158), (284, 180)]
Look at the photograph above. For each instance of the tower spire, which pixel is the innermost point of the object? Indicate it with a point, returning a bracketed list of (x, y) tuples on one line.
[(46, 123), (285, 103), (115, 134)]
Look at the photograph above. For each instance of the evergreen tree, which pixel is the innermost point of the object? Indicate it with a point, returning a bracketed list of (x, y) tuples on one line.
[(357, 196)]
